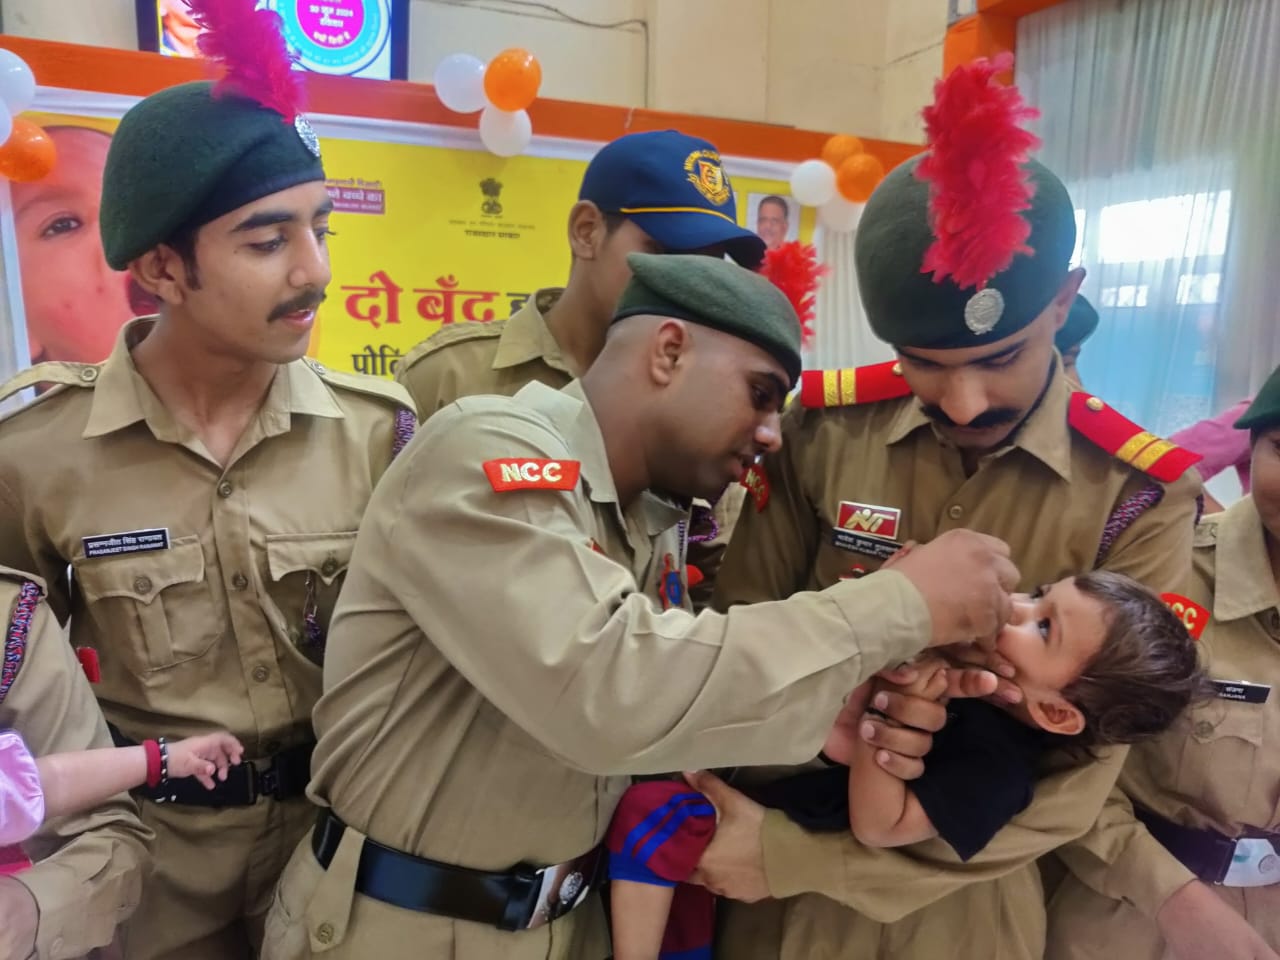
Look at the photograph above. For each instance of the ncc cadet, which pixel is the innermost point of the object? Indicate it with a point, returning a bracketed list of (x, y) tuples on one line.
[(974, 426), (472, 746), (1206, 883), (88, 868), (204, 485), (653, 192)]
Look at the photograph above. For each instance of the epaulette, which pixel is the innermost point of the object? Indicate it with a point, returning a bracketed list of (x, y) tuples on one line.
[(60, 372), (1128, 442), (447, 336), (382, 389), (842, 388)]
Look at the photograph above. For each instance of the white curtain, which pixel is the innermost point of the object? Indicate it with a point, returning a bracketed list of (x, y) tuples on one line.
[(1163, 119), (842, 337)]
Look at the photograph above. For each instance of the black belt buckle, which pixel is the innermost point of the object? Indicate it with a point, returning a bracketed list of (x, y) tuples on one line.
[(558, 889), (286, 778)]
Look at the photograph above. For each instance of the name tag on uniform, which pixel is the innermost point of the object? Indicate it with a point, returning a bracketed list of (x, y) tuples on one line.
[(1242, 691), (867, 528), (118, 544)]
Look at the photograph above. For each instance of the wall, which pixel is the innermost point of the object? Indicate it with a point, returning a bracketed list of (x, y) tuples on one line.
[(857, 66)]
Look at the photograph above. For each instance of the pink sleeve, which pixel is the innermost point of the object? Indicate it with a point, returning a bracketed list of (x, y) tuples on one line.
[(1217, 440), (21, 799)]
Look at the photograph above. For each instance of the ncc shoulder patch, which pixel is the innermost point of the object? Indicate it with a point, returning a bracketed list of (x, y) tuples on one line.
[(1193, 616), (1128, 442), (524, 473), (756, 482), (852, 385)]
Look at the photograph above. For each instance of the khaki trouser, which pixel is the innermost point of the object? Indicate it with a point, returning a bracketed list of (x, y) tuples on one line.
[(1084, 925), (317, 913), (215, 871), (994, 920)]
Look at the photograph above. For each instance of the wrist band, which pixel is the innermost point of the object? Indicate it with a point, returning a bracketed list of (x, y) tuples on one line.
[(164, 761), (154, 767)]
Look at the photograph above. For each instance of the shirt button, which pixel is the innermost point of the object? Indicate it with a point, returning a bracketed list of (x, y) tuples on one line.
[(329, 567), (261, 673), (956, 512), (142, 585), (89, 374), (239, 581), (1203, 728), (224, 489), (324, 933)]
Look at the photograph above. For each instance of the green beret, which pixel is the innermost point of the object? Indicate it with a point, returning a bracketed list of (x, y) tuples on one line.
[(1082, 320), (717, 294), (908, 309), (1264, 412), (185, 156)]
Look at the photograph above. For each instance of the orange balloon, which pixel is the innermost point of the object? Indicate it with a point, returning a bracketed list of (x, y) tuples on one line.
[(512, 79), (858, 176), (840, 148), (29, 153)]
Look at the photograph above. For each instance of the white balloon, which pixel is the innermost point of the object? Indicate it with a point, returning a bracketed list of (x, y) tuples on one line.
[(839, 215), (6, 124), (17, 82), (813, 183), (505, 134), (459, 83)]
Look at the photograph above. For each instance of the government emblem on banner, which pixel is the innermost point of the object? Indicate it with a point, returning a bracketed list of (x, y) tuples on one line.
[(492, 189)]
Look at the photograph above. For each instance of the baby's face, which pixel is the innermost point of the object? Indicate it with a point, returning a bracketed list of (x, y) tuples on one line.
[(1053, 633)]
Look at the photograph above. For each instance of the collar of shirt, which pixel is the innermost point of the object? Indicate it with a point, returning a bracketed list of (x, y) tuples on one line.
[(1242, 581), (121, 396), (525, 335), (1045, 434), (570, 411)]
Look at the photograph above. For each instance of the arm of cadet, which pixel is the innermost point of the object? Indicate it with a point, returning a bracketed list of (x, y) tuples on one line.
[(770, 552), (562, 643), (24, 546), (888, 884), (1118, 857), (89, 867)]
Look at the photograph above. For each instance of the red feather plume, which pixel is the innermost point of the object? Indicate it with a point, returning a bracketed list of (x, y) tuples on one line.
[(978, 188), (251, 47), (794, 269)]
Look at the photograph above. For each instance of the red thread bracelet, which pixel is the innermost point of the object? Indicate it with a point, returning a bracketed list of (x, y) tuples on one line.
[(153, 762)]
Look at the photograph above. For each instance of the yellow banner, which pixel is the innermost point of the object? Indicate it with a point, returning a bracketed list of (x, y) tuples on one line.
[(425, 236)]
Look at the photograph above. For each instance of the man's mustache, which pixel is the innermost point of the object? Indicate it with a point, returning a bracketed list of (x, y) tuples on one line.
[(995, 417), (299, 304)]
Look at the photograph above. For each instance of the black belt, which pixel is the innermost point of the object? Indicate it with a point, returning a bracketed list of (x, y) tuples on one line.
[(510, 900), (1206, 853), (283, 776)]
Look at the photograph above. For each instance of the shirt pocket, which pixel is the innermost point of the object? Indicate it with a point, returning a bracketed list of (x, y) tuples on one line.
[(305, 571), (162, 599), (1223, 739)]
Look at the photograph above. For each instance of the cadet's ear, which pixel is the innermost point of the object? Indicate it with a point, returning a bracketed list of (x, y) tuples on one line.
[(1057, 716), (670, 342), (587, 230), (162, 273)]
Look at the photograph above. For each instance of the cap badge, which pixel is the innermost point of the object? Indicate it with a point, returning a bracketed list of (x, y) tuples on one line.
[(983, 311), (307, 135), (707, 175)]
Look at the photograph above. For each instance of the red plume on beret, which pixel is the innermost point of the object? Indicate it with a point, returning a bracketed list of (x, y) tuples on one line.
[(978, 188), (251, 47), (794, 269)]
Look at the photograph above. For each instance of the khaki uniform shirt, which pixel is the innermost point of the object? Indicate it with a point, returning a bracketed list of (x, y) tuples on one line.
[(1211, 771), (488, 723), (1048, 493), (198, 584), (88, 867), (500, 357)]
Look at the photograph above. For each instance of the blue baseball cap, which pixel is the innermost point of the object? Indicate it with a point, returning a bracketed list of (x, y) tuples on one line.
[(675, 189)]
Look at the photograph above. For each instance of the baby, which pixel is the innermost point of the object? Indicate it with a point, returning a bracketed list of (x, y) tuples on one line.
[(1099, 660), (35, 789)]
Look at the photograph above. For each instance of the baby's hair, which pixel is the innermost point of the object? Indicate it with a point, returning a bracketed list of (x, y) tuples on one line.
[(1145, 674)]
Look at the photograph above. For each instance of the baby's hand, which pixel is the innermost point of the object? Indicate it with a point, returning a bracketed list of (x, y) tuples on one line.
[(201, 757), (930, 678), (841, 740)]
